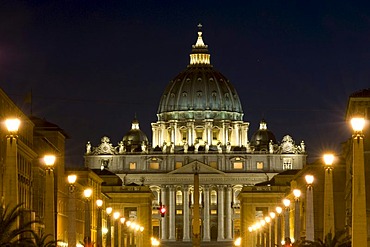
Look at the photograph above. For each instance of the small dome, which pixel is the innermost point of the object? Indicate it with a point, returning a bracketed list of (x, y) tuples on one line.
[(262, 137), (134, 138)]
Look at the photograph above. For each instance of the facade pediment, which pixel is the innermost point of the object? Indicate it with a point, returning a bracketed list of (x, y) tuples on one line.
[(202, 169)]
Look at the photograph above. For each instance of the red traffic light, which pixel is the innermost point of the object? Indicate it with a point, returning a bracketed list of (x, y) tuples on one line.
[(162, 210)]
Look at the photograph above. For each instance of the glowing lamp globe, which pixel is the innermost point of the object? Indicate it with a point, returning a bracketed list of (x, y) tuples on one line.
[(357, 124)]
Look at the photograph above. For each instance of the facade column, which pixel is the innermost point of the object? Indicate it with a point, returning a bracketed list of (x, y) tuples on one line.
[(171, 213), (225, 130), (206, 215), (164, 228), (236, 134), (220, 212), (229, 225), (155, 135), (190, 126), (185, 208), (244, 134), (208, 126)]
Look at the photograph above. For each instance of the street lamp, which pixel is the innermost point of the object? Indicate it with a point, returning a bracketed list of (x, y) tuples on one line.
[(123, 220), (297, 214), (87, 239), (109, 230), (278, 210), (72, 211), (9, 182), (359, 224), (286, 203), (99, 204), (116, 217), (329, 226), (310, 227), (49, 161)]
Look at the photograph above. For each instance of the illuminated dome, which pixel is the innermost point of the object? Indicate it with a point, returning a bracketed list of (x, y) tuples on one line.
[(135, 138), (200, 92), (262, 137), (199, 108)]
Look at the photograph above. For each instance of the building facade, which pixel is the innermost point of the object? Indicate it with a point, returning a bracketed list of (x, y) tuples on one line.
[(199, 129)]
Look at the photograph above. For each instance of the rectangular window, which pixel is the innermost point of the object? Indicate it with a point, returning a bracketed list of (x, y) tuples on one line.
[(178, 211), (287, 164), (213, 164), (178, 164), (260, 165), (132, 165), (214, 211), (238, 165), (154, 165)]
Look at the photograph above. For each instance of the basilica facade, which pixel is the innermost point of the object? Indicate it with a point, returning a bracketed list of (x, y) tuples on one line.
[(199, 129)]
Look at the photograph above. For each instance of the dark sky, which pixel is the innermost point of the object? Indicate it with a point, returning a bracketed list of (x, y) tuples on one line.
[(92, 65)]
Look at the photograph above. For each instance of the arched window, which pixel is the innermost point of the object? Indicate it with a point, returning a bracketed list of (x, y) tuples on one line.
[(179, 197)]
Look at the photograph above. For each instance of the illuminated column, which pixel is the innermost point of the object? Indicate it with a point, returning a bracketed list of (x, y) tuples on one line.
[(206, 215), (123, 233), (208, 128), (244, 134), (87, 238), (72, 211), (99, 204), (297, 215), (225, 130), (191, 130), (116, 219), (109, 226), (279, 210), (163, 219), (228, 213), (220, 212), (49, 221), (171, 213), (286, 203), (236, 134), (359, 224), (329, 226), (155, 135), (310, 227), (10, 194), (185, 207)]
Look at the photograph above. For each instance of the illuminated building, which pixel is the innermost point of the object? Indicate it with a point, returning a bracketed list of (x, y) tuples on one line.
[(200, 123)]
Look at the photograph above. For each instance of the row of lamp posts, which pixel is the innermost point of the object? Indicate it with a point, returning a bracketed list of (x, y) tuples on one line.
[(125, 234)]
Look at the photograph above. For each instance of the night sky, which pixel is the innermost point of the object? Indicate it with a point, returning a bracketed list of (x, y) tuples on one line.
[(92, 65)]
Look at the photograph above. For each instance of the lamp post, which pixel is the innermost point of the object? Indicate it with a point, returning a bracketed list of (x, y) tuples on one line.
[(359, 224), (297, 214), (310, 227), (99, 204), (272, 229), (109, 227), (329, 226), (10, 194), (116, 217), (72, 211), (49, 220), (286, 203), (123, 220), (279, 210), (87, 238)]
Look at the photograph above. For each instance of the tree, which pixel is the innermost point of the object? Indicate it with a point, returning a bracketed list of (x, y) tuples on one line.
[(11, 234)]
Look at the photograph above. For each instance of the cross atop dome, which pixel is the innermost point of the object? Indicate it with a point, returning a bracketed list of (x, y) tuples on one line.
[(200, 54)]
